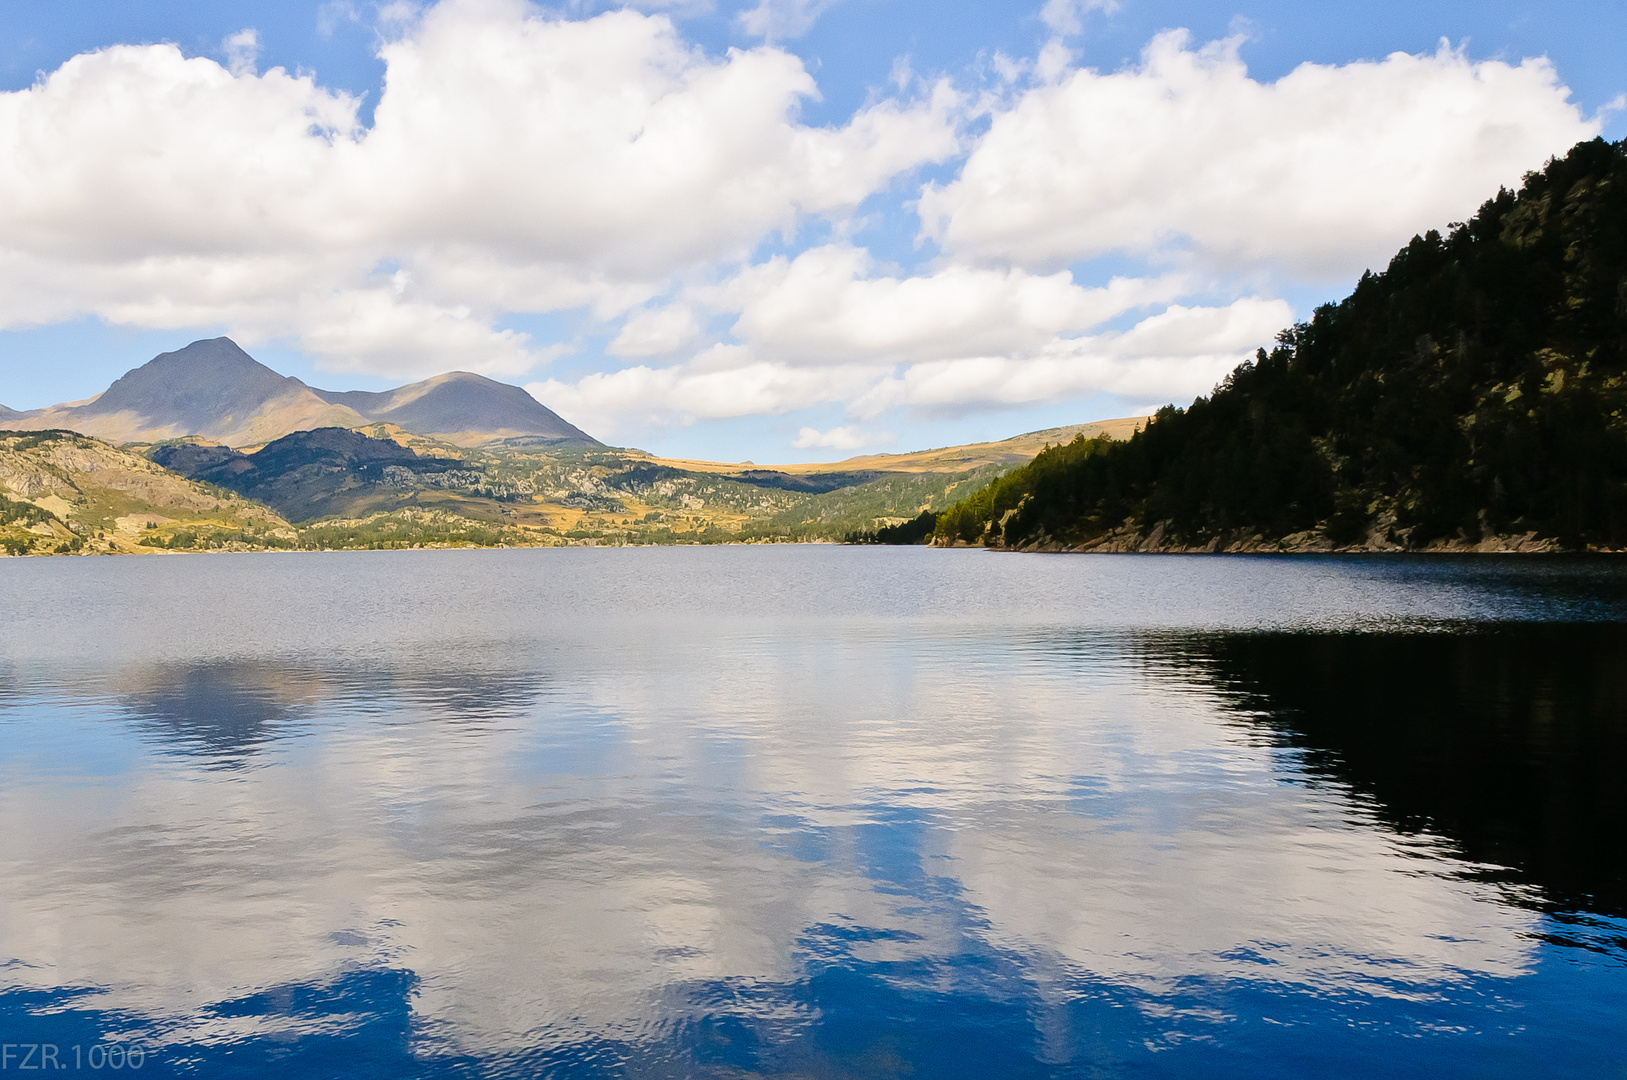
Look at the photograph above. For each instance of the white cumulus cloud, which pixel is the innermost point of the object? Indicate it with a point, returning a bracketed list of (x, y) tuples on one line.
[(1172, 355), (517, 162), (841, 438), (652, 332), (1324, 172), (827, 306), (722, 383)]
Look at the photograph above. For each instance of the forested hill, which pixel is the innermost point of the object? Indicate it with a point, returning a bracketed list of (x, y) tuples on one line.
[(1471, 395)]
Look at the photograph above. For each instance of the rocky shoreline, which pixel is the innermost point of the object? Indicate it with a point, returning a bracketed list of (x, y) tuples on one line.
[(1131, 539)]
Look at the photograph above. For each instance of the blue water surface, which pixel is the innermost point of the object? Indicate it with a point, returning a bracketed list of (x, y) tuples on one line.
[(809, 811)]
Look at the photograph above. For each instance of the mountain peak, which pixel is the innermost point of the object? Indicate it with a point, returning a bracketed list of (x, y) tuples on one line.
[(213, 389), (461, 407), (195, 386)]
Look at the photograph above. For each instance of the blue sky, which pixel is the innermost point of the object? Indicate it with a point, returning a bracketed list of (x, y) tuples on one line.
[(779, 230)]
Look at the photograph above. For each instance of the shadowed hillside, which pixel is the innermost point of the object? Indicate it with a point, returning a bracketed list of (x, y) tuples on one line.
[(1470, 396), (311, 474)]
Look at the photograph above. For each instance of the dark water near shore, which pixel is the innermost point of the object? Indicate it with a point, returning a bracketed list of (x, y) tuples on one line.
[(813, 812)]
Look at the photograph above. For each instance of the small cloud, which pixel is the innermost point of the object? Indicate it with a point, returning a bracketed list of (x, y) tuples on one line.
[(1052, 62), (842, 438), (334, 13), (242, 51), (683, 9), (902, 75), (1067, 17), (1241, 27), (398, 16), (1009, 70), (778, 20)]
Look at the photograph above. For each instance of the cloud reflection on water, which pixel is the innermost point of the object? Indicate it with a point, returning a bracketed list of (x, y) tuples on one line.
[(609, 839), (566, 874)]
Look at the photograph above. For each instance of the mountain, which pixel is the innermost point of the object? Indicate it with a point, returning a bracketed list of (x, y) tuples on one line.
[(311, 474), (210, 388), (1471, 396), (460, 408), (214, 390)]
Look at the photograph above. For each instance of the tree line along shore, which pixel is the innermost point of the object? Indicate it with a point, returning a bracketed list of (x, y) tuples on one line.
[(1469, 397)]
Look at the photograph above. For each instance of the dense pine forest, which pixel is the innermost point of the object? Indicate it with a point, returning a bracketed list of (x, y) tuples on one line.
[(1471, 394)]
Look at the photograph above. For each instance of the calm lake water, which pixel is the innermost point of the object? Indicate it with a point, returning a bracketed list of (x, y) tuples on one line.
[(813, 812)]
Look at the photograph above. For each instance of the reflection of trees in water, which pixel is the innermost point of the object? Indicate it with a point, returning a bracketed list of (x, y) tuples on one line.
[(1511, 742), (227, 711)]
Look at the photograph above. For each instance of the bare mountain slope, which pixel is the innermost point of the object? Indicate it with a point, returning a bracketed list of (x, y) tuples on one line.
[(211, 389), (214, 390), (460, 408)]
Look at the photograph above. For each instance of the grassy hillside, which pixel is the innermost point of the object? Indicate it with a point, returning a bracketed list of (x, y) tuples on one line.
[(62, 492), (1470, 396)]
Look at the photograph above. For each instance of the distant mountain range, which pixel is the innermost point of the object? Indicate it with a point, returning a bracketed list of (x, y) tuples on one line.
[(214, 390)]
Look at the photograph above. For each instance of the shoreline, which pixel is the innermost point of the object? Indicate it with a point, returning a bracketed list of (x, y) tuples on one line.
[(1521, 546), (1131, 541)]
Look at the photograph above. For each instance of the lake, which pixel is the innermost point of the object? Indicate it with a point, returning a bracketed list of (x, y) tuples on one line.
[(813, 811)]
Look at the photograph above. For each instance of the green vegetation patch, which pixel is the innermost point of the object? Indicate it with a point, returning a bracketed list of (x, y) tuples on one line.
[(410, 528), (13, 511), (30, 440), (918, 530), (18, 524), (212, 536)]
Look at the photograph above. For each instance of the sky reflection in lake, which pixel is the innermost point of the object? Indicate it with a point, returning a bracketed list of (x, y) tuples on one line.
[(815, 811)]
